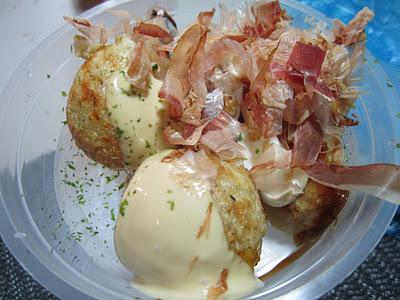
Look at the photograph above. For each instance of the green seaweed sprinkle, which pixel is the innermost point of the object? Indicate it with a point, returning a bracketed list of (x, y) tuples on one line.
[(124, 92), (81, 200), (121, 186), (171, 204), (124, 203), (111, 178), (119, 132), (239, 138)]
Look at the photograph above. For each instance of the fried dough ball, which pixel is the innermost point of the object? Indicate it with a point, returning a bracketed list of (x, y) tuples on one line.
[(87, 114), (310, 214), (111, 121), (191, 226)]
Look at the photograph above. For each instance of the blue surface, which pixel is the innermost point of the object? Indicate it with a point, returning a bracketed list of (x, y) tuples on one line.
[(383, 32), (383, 41)]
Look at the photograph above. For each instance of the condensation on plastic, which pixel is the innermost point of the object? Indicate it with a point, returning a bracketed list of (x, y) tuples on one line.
[(42, 215)]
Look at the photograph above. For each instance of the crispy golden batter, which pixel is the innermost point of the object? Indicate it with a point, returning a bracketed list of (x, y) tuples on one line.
[(87, 114), (239, 205), (310, 214)]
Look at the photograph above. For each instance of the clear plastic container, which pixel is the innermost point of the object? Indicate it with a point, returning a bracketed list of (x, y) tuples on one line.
[(62, 234)]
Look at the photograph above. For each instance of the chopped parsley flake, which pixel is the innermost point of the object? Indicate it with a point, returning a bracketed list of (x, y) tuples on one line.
[(154, 67), (119, 132), (171, 204), (169, 191), (122, 207), (232, 197), (239, 138), (124, 92), (48, 76), (64, 93), (257, 151), (147, 144), (112, 214), (81, 200), (77, 236), (110, 178), (70, 165), (121, 186), (64, 122), (389, 83), (398, 145), (70, 183), (138, 120), (114, 106)]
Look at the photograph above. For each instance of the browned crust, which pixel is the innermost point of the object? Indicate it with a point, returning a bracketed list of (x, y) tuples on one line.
[(310, 214), (87, 116), (239, 206)]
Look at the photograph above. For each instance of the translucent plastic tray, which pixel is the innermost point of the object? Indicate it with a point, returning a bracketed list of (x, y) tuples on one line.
[(57, 207)]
